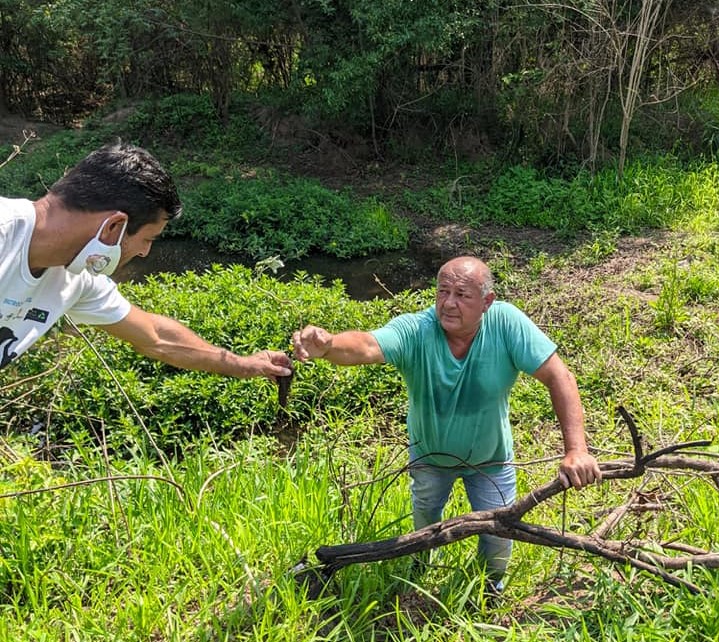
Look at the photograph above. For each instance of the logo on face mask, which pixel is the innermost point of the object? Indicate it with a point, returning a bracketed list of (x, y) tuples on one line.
[(96, 257)]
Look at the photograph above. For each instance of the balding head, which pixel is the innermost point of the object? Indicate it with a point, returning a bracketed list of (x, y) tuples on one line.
[(470, 270)]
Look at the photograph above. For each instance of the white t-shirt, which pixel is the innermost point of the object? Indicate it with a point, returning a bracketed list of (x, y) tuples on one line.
[(30, 306)]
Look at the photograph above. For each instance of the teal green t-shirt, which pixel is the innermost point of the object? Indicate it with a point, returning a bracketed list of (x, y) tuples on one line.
[(459, 408)]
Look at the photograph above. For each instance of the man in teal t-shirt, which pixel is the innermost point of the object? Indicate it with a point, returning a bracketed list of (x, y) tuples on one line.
[(460, 359), (459, 407)]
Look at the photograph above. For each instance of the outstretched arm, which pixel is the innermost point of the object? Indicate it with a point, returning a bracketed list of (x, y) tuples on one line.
[(165, 339), (349, 348), (578, 468)]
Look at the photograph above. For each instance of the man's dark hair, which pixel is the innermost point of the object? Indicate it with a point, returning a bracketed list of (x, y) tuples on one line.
[(120, 177)]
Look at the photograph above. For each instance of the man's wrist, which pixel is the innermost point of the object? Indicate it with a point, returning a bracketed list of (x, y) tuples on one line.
[(576, 450), (327, 348)]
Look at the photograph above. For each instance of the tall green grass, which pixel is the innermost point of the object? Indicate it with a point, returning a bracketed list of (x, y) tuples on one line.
[(211, 502), (196, 543), (213, 563), (659, 192)]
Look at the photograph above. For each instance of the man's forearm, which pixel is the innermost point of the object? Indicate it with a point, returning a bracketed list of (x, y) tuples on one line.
[(570, 414), (179, 346), (578, 467), (350, 348), (353, 348)]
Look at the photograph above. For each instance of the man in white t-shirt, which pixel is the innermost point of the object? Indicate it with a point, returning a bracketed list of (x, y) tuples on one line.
[(57, 253)]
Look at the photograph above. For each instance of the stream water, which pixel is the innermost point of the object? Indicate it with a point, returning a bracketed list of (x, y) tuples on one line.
[(364, 278)]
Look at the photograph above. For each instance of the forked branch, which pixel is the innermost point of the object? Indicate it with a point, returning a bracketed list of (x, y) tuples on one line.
[(508, 522)]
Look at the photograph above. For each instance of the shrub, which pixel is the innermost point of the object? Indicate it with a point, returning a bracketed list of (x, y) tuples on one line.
[(292, 217), (230, 307)]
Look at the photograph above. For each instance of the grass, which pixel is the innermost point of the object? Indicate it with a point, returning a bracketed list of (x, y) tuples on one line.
[(136, 560), (195, 542)]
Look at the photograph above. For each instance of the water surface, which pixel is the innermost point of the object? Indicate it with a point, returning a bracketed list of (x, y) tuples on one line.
[(364, 278)]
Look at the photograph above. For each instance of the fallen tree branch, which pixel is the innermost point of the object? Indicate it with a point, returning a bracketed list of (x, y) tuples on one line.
[(507, 522)]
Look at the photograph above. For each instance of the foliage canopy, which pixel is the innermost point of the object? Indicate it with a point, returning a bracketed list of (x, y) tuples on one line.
[(544, 82)]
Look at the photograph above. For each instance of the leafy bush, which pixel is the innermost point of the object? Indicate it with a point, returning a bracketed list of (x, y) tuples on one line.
[(269, 215), (522, 196), (517, 195), (229, 307)]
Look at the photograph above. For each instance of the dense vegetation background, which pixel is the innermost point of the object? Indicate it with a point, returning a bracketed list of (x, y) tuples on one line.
[(570, 145), (552, 83)]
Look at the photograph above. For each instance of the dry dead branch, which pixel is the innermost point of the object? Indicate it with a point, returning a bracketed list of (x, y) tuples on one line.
[(508, 522), (28, 135)]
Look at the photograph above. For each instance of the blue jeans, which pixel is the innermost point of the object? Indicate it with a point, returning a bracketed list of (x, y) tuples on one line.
[(431, 486)]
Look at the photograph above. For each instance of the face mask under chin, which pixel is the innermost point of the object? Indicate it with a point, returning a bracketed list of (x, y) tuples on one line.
[(96, 257)]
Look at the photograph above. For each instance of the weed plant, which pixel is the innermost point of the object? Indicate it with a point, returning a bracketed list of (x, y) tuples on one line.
[(194, 541), (144, 503)]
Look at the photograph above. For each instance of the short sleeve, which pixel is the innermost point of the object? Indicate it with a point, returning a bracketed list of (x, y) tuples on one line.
[(396, 338), (528, 346), (100, 303)]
